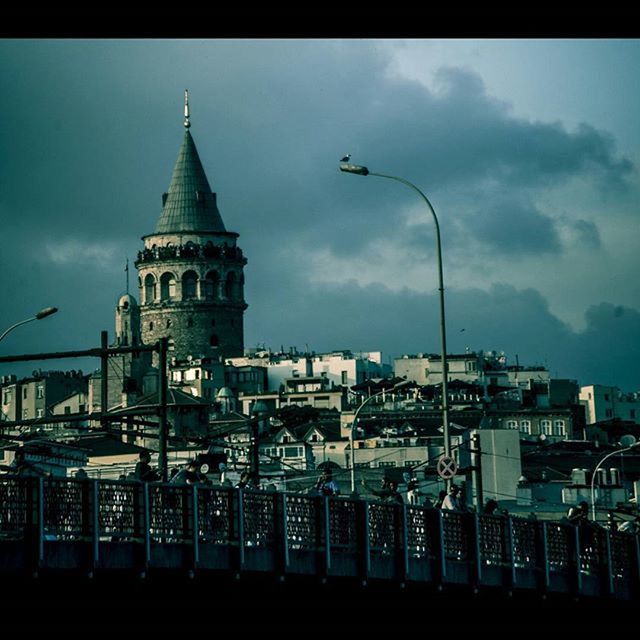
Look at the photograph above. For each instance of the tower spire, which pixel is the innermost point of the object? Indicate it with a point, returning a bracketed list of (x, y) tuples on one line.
[(187, 124)]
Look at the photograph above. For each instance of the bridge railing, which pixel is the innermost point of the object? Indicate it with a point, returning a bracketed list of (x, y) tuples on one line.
[(104, 524)]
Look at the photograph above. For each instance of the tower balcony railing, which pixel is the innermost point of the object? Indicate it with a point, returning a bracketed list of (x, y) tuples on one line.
[(72, 524), (191, 251)]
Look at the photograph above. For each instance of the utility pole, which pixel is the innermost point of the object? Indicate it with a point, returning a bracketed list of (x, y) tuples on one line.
[(476, 470), (104, 379), (162, 410)]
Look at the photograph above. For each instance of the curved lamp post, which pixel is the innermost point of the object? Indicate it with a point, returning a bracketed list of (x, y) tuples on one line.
[(364, 171), (41, 314), (595, 471), (355, 423)]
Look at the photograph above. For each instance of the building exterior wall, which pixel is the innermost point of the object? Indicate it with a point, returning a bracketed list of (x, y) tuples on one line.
[(604, 403)]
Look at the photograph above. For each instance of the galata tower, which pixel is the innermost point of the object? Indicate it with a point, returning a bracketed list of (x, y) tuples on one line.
[(191, 269)]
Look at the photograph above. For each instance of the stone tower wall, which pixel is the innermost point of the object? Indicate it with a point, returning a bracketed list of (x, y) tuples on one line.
[(192, 292)]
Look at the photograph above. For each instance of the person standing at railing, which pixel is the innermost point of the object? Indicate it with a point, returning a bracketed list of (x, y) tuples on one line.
[(388, 491), (453, 501), (144, 471), (326, 485)]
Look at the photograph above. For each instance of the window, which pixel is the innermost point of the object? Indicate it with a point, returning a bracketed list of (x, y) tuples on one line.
[(632, 414), (292, 452), (525, 427), (512, 424), (167, 286), (214, 341), (40, 392), (168, 322), (7, 397), (386, 464), (606, 397), (24, 393), (609, 413), (40, 413), (189, 285), (412, 463), (149, 288), (25, 413), (212, 285), (345, 379), (545, 427), (189, 322), (230, 286), (559, 428)]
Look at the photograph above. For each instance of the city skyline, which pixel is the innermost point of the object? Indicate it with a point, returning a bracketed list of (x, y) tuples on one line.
[(530, 163)]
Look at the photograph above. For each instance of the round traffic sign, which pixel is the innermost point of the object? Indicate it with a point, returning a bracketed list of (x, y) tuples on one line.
[(447, 467)]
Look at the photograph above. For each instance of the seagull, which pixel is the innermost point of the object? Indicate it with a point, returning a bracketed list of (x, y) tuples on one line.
[(346, 158)]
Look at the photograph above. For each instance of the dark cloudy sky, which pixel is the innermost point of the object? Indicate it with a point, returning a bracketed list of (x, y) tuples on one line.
[(528, 149)]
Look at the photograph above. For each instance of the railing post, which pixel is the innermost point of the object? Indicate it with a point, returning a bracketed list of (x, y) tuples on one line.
[(577, 554), (543, 554), (636, 552), (609, 576), (362, 535), (325, 526), (402, 539), (146, 524), (240, 528), (281, 530), (195, 527), (474, 525), (439, 550), (93, 499), (40, 521), (510, 546)]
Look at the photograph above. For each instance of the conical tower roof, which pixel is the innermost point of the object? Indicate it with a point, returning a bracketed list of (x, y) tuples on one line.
[(189, 205)]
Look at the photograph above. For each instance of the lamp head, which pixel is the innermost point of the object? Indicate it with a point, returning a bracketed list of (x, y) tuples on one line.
[(48, 311), (354, 168)]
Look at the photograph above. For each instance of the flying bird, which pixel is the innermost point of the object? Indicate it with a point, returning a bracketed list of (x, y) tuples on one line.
[(346, 158)]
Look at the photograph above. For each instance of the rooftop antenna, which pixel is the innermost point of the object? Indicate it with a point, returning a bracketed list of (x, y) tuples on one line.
[(127, 272), (187, 123)]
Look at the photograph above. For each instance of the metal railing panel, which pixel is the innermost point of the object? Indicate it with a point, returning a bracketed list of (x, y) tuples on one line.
[(419, 536), (14, 505), (559, 538), (455, 536), (302, 522), (117, 516), (343, 534), (383, 528), (215, 515), (259, 518), (492, 543), (64, 509), (524, 537), (168, 510)]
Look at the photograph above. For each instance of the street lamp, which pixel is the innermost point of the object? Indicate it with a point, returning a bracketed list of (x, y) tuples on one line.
[(364, 171), (41, 314), (595, 472), (355, 422)]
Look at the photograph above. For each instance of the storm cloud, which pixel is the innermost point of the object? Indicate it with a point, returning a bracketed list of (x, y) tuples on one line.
[(90, 131)]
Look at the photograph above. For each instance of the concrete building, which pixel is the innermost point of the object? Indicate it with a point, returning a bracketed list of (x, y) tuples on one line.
[(191, 270), (31, 398), (607, 403), (306, 391), (339, 368)]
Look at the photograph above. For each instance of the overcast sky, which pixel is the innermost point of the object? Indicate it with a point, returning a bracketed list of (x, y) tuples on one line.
[(528, 149)]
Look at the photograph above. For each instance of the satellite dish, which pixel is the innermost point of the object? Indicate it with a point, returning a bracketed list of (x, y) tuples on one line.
[(204, 468), (627, 440), (542, 437)]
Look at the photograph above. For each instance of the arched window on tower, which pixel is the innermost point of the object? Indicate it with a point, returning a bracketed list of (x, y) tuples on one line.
[(149, 288), (241, 287), (230, 286), (189, 285), (214, 342), (212, 285), (167, 286)]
